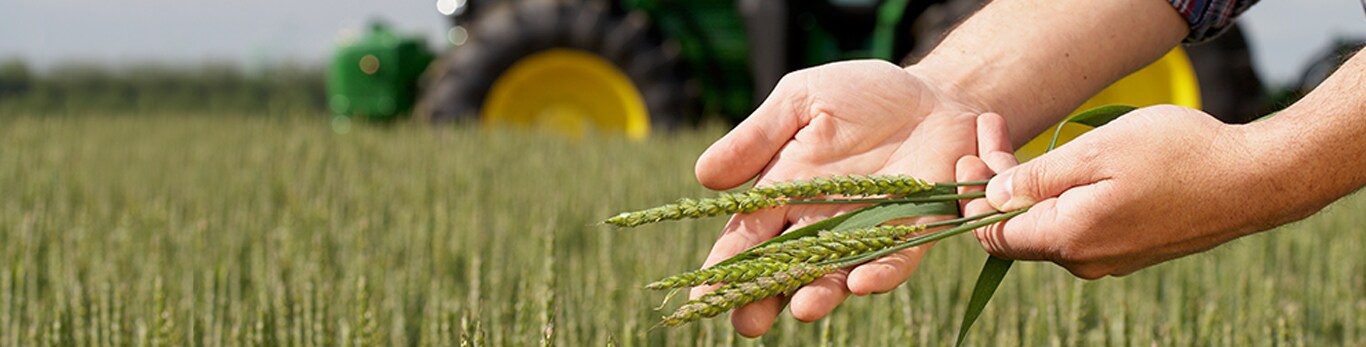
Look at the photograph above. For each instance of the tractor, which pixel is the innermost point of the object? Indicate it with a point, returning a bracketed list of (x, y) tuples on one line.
[(636, 67)]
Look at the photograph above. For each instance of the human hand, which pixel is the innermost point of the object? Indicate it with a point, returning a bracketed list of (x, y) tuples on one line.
[(1157, 184), (859, 117)]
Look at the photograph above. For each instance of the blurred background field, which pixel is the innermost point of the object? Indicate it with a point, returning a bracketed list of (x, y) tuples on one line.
[(179, 173), (236, 229)]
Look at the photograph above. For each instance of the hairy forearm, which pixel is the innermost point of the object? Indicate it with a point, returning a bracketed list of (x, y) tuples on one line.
[(1034, 61), (1314, 151)]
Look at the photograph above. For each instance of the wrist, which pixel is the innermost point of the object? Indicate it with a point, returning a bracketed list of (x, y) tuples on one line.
[(1286, 173), (985, 85), (961, 80)]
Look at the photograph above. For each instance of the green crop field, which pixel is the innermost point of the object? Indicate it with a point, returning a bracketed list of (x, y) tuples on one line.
[(221, 229)]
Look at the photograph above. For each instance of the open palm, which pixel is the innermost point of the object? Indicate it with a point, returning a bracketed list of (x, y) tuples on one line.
[(857, 117)]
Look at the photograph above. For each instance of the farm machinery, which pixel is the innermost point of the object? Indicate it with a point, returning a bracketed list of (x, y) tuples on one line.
[(636, 67)]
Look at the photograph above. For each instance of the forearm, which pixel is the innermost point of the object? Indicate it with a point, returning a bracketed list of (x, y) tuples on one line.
[(1034, 61), (1315, 150)]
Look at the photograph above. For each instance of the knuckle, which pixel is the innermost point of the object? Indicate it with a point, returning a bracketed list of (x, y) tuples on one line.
[(990, 239), (984, 237), (1162, 109), (1123, 272), (1071, 250), (1169, 115), (989, 244), (1091, 153), (792, 78), (1039, 178), (993, 245), (1065, 254), (1026, 181), (1088, 272)]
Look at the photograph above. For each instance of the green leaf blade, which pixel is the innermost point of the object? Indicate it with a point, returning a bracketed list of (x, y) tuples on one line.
[(988, 281), (1095, 118), (1099, 116)]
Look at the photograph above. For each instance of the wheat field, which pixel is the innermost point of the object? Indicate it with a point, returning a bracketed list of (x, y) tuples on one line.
[(290, 230)]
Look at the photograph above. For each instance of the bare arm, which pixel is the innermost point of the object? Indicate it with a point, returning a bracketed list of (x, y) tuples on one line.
[(1035, 61), (1315, 150)]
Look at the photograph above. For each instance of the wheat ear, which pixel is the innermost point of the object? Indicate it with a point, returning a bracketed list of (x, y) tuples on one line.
[(735, 295), (729, 273), (776, 195), (828, 245)]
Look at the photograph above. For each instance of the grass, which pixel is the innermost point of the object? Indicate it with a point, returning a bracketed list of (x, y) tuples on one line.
[(248, 230)]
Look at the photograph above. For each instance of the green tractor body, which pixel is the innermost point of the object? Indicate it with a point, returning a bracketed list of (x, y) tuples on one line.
[(375, 76), (720, 54), (712, 42)]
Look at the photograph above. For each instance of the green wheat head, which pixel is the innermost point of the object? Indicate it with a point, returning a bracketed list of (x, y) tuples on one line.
[(852, 185), (771, 196), (828, 245), (735, 295), (729, 273)]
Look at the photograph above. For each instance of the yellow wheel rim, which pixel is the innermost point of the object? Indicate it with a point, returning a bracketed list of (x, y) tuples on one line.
[(1169, 80), (568, 92)]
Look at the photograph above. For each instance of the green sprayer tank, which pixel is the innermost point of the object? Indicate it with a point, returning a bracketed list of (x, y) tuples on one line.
[(375, 76)]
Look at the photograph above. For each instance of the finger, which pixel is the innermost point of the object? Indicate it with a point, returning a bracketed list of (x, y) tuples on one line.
[(755, 319), (1018, 238), (742, 232), (819, 298), (994, 149), (746, 230), (885, 273), (1044, 177), (747, 149), (1043, 232), (993, 143), (970, 168)]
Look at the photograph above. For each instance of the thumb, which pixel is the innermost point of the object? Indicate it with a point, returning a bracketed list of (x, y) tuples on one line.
[(747, 149), (1044, 177)]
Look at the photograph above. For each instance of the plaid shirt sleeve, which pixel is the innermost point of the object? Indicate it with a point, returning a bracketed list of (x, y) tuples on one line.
[(1209, 18)]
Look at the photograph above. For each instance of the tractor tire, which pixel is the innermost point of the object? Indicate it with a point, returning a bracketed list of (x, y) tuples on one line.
[(507, 32)]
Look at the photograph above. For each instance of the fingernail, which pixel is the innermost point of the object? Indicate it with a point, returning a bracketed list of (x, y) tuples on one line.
[(999, 188)]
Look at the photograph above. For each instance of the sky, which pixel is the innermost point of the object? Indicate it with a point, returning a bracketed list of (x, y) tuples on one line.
[(1284, 33), (248, 32)]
